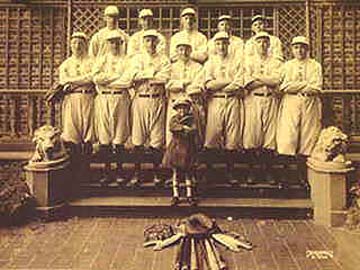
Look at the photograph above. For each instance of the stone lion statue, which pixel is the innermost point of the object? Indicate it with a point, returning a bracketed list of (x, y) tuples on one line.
[(331, 146), (49, 145)]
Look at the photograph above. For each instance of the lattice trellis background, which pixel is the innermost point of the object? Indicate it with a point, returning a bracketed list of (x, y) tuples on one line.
[(33, 43), (291, 22), (335, 39)]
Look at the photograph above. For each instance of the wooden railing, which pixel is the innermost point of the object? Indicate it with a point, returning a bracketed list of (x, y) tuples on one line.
[(23, 111)]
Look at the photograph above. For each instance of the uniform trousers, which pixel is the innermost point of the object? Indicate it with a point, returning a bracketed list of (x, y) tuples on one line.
[(224, 124), (260, 121), (112, 112), (299, 124), (78, 118), (148, 117)]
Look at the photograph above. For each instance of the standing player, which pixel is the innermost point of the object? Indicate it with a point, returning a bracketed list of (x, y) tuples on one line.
[(150, 72), (184, 77), (236, 47), (146, 21), (98, 44), (258, 25), (113, 102), (77, 111), (300, 110), (189, 32), (262, 78), (223, 81)]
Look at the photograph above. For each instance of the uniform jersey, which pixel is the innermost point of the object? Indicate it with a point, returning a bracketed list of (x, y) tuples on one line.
[(180, 72), (274, 50), (261, 105), (300, 110), (225, 110), (77, 107), (136, 44), (197, 40), (98, 44)]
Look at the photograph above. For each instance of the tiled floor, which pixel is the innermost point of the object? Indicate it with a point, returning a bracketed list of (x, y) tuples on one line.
[(116, 243)]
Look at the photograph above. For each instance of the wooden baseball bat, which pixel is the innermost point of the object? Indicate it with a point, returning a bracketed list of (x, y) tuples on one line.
[(213, 264), (178, 255), (185, 260), (193, 258), (218, 257), (201, 255)]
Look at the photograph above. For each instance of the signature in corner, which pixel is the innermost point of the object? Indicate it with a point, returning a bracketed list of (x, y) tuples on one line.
[(319, 254)]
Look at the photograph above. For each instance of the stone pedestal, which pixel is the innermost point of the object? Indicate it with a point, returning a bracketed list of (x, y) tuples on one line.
[(328, 193), (49, 183)]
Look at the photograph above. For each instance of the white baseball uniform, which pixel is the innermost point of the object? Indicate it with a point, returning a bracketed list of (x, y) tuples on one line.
[(112, 105), (299, 120), (197, 40), (136, 44), (274, 50), (98, 45), (77, 107), (225, 109), (261, 105), (181, 73), (148, 108)]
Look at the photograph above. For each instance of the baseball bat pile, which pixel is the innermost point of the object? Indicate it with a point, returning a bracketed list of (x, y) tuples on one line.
[(197, 238)]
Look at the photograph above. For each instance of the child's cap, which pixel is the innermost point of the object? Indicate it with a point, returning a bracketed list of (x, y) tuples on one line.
[(182, 101)]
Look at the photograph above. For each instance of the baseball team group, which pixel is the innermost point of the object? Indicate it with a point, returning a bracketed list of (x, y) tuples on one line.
[(189, 93)]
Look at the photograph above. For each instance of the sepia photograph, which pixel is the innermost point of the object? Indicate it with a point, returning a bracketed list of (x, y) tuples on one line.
[(180, 134)]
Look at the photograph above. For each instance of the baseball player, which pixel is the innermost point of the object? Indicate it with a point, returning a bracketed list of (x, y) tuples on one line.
[(258, 25), (98, 43), (146, 21), (184, 77), (189, 32), (236, 47), (300, 110), (223, 81), (112, 104), (77, 111), (262, 78), (150, 72)]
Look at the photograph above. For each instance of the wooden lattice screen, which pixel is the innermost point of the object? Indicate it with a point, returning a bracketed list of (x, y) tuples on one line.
[(291, 22), (335, 39), (33, 43)]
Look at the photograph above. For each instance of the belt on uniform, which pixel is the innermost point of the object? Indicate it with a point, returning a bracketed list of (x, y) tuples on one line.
[(112, 92), (224, 95), (301, 94), (81, 92), (262, 94), (150, 95)]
